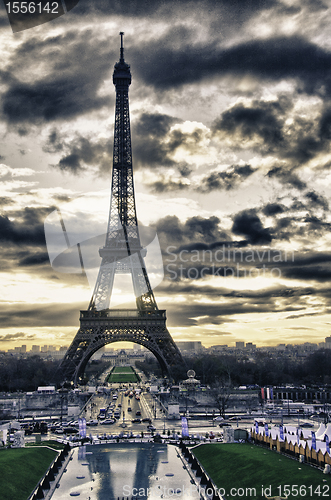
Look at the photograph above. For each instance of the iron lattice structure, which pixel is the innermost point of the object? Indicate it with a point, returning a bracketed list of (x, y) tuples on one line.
[(122, 253)]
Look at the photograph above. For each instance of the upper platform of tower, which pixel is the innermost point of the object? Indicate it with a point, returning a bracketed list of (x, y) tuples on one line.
[(122, 74)]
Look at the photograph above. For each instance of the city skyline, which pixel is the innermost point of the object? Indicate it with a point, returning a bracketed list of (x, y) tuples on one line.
[(195, 346), (231, 126)]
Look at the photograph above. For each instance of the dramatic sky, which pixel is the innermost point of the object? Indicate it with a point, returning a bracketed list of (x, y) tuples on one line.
[(231, 124)]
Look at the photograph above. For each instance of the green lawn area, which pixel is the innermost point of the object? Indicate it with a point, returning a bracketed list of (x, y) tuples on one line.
[(21, 469), (123, 375), (122, 369), (246, 468), (47, 442)]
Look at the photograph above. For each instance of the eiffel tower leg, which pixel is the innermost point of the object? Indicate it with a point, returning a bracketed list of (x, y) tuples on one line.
[(149, 332)]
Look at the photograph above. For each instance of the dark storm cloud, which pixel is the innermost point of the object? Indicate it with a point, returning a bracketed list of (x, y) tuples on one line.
[(248, 223), (297, 316), (316, 199), (54, 143), (70, 162), (195, 229), (27, 228), (199, 314), (285, 175), (267, 59), (262, 126), (50, 100), (255, 295), (16, 336), (307, 259), (38, 315), (154, 125), (241, 10), (71, 83), (80, 152), (271, 300), (36, 259), (153, 143), (311, 273), (166, 185), (262, 119), (5, 200), (272, 209), (226, 180)]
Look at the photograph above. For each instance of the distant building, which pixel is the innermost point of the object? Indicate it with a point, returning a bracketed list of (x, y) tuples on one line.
[(189, 347), (240, 345), (46, 389), (35, 349), (249, 345), (218, 348), (308, 347), (328, 343), (123, 357)]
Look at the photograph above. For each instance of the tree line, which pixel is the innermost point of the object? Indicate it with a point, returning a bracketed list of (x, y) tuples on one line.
[(26, 374), (265, 369)]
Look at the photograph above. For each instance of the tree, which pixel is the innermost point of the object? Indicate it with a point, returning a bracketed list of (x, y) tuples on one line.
[(220, 391)]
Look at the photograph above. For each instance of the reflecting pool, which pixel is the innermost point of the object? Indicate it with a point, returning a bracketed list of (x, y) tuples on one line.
[(133, 470)]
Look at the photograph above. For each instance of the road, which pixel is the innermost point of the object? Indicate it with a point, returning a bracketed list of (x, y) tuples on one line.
[(149, 407)]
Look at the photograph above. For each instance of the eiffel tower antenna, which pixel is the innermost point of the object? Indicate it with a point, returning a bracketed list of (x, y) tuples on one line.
[(122, 253), (122, 48)]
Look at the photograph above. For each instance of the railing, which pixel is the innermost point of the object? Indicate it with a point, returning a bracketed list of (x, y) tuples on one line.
[(122, 313)]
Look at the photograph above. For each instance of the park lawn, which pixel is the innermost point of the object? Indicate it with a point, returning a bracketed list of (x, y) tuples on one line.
[(22, 469), (246, 466), (123, 375), (123, 378), (123, 369), (47, 442)]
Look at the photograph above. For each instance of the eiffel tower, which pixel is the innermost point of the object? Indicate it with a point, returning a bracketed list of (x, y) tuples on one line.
[(122, 253)]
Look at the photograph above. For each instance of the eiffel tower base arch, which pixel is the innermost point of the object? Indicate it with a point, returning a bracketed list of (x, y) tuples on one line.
[(99, 328)]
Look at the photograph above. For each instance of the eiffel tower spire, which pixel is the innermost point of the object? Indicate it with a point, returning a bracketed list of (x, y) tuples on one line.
[(121, 253), (122, 250)]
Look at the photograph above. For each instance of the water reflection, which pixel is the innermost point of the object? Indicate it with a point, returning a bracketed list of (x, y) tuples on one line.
[(142, 471)]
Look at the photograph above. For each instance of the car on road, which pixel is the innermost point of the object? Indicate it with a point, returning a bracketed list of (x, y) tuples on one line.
[(224, 424), (151, 428), (306, 425), (136, 421), (234, 418), (218, 419), (129, 408), (70, 430), (108, 421), (93, 421), (148, 420), (138, 413)]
